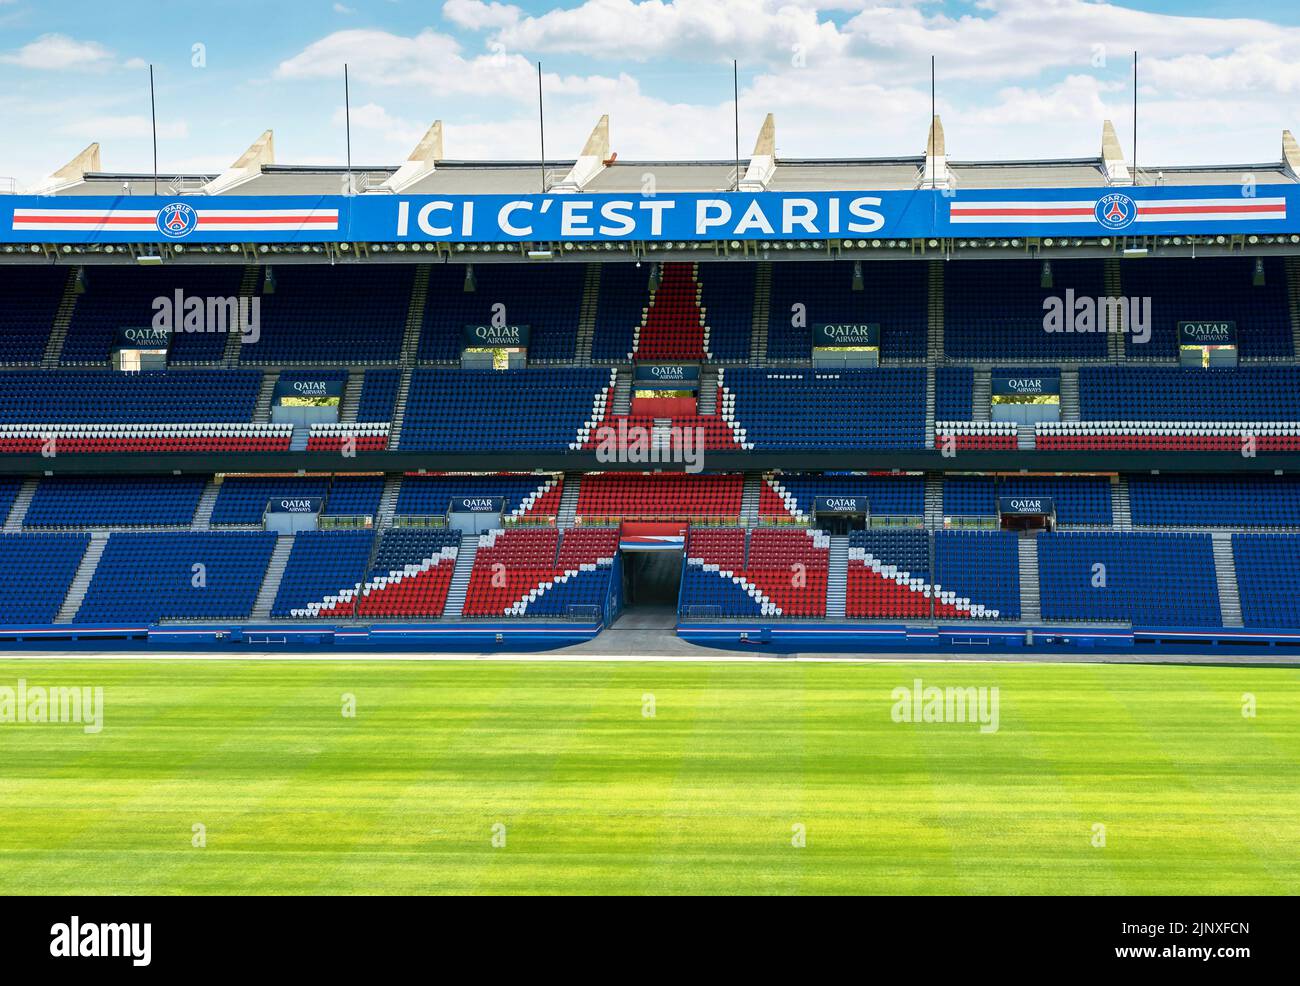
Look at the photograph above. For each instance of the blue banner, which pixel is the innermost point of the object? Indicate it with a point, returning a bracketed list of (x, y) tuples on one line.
[(840, 505), (666, 376), (1207, 333), (1026, 385), (296, 505), (1026, 506), (476, 504), (685, 216)]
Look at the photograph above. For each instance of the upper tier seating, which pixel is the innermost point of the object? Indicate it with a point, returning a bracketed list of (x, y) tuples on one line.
[(1268, 578), (1210, 501), (123, 297), (1166, 393), (794, 494), (36, 571), (109, 397), (9, 487), (660, 496), (978, 572), (115, 501), (379, 395), (321, 565), (1211, 289), (524, 493), (1146, 579), (29, 300), (727, 293), (803, 409), (674, 327), (624, 295), (894, 294), (546, 298), (333, 314), (994, 310), (147, 577), (486, 410), (354, 496)]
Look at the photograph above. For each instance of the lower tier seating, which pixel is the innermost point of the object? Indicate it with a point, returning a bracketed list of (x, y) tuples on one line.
[(147, 577), (1268, 579), (525, 571), (1147, 579), (321, 565), (36, 571), (768, 572)]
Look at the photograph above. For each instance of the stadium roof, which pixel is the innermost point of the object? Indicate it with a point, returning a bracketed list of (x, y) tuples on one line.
[(598, 170)]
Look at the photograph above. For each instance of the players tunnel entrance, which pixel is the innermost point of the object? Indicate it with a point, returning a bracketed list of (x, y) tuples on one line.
[(652, 580)]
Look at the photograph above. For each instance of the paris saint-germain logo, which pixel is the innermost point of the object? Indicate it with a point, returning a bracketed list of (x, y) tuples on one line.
[(1115, 211), (177, 220)]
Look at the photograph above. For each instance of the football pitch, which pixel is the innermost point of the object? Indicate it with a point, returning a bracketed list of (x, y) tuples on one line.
[(316, 777)]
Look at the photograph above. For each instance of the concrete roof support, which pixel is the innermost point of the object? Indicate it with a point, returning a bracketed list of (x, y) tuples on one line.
[(87, 162), (1112, 157), (422, 160), (762, 163), (249, 165), (591, 162), (936, 173), (1290, 154)]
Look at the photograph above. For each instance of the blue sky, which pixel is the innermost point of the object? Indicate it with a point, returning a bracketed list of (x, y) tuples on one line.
[(1016, 78)]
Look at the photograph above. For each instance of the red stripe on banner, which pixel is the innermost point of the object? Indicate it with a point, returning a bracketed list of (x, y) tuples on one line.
[(87, 220), (965, 210), (1147, 209), (228, 220)]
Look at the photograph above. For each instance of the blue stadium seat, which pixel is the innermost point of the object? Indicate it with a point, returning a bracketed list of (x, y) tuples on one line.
[(982, 566), (36, 571), (1268, 579), (109, 397), (1168, 393), (29, 300), (1209, 501), (115, 501), (320, 565)]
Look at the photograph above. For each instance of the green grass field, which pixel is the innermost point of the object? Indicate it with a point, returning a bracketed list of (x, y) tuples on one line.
[(703, 797)]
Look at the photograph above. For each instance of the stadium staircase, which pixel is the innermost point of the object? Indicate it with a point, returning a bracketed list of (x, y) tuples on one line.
[(930, 400), (298, 440), (622, 402), (415, 317), (934, 334), (1225, 572), (247, 289), (399, 409), (1121, 512), (271, 580), (1030, 607), (1293, 300), (708, 399), (934, 501), (62, 319), (982, 396), (1112, 283), (1025, 437), (262, 409), (14, 522), (388, 501), (762, 312), (587, 315), (569, 499), (460, 577), (1070, 394), (837, 577), (81, 581), (352, 395), (750, 499), (203, 514)]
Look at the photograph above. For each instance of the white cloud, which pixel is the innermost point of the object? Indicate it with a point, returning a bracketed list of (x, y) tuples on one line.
[(121, 127), (58, 52), (477, 15), (341, 9)]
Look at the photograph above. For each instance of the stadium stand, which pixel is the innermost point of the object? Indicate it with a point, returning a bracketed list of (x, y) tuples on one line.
[(727, 295), (624, 296), (524, 494), (410, 577), (321, 566), (794, 494), (978, 572), (954, 393), (1268, 577), (115, 501), (461, 411), (889, 575), (842, 409), (805, 293), (379, 395), (123, 297), (29, 300), (546, 299), (1213, 501), (1128, 577), (243, 499), (148, 577), (108, 397), (36, 571), (659, 496), (1007, 323), (335, 314), (1211, 289)]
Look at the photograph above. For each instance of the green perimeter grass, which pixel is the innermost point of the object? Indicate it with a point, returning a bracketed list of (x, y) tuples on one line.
[(595, 797)]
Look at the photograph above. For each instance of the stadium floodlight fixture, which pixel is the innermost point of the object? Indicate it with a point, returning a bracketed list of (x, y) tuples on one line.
[(1135, 251), (934, 243), (344, 247), (401, 248), (874, 243), (1105, 241), (149, 259), (540, 255), (1047, 241), (1252, 238)]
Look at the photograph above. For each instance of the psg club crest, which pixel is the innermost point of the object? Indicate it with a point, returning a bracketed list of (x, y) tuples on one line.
[(1115, 211), (177, 220)]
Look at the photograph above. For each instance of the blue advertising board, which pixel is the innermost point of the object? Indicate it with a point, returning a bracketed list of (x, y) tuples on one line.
[(686, 216)]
